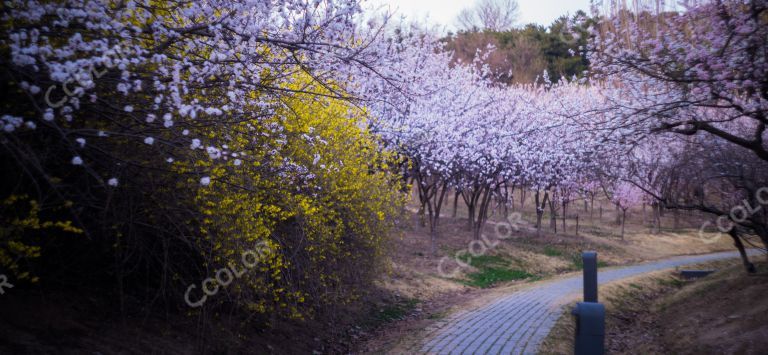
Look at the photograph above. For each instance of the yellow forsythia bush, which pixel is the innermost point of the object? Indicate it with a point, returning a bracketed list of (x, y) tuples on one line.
[(317, 192), (20, 230)]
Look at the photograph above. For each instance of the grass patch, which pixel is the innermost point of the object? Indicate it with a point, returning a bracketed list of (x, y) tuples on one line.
[(578, 262), (437, 315), (671, 282), (492, 269), (552, 251), (483, 261), (488, 277), (394, 311)]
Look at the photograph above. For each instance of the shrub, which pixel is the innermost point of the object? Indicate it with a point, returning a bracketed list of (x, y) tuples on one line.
[(173, 154)]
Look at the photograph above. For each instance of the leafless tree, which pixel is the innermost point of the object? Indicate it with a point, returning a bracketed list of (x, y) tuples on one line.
[(523, 62), (719, 179), (493, 15)]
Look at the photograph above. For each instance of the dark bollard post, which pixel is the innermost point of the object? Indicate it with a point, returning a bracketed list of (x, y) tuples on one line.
[(590, 276), (590, 329), (590, 315)]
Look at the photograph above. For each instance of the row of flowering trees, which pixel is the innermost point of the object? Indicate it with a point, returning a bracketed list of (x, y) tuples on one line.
[(463, 133), (663, 86)]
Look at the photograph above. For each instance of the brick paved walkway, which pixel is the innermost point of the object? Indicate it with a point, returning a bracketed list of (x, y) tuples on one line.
[(517, 323)]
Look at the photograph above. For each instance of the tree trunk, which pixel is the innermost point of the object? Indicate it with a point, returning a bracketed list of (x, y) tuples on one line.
[(734, 233), (577, 225), (469, 200), (623, 221), (482, 213), (439, 203), (455, 202), (565, 205), (522, 198), (421, 216), (477, 192), (540, 205), (553, 215), (432, 232), (762, 232), (601, 211), (538, 215), (471, 216)]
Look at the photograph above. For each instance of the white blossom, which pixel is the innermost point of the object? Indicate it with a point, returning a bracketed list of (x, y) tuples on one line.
[(48, 115)]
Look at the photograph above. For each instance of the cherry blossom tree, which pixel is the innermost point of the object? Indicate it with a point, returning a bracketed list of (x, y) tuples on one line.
[(697, 74), (625, 195), (699, 70)]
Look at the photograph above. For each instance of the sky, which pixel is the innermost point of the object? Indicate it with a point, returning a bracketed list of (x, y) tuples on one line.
[(444, 12)]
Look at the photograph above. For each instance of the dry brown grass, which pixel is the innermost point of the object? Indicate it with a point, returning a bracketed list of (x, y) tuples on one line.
[(560, 339), (679, 236), (414, 270), (725, 314), (659, 314)]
